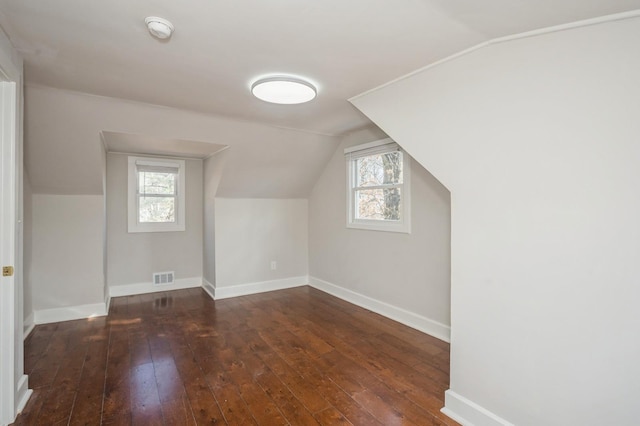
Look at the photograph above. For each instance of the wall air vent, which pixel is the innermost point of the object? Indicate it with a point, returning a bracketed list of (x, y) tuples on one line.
[(163, 278)]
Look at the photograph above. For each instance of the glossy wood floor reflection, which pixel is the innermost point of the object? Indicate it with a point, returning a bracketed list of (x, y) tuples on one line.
[(290, 357)]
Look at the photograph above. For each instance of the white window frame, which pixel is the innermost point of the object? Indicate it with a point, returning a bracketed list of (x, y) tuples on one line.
[(378, 147), (133, 196)]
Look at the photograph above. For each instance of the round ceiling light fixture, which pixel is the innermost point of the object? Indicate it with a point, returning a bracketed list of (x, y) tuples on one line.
[(284, 90), (159, 27)]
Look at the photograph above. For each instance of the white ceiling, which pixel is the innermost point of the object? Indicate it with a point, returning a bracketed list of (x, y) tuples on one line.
[(219, 47), (144, 144)]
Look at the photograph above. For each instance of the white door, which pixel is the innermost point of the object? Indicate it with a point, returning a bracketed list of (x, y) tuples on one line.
[(8, 175)]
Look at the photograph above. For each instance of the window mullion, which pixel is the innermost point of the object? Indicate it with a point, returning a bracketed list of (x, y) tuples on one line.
[(386, 186), (158, 195)]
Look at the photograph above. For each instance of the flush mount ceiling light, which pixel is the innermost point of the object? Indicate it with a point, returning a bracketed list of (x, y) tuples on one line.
[(159, 27), (283, 90)]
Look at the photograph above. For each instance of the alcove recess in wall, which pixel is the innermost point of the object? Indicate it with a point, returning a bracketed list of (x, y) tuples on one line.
[(131, 258)]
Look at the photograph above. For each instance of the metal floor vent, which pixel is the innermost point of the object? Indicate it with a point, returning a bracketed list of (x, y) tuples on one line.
[(162, 278)]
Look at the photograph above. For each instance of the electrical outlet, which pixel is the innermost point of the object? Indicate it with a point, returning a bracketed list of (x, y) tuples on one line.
[(274, 265)]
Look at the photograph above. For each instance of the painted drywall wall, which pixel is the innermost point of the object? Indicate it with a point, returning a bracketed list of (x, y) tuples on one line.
[(134, 257), (213, 167), (537, 139), (63, 146), (250, 233), (408, 271), (105, 248), (66, 250)]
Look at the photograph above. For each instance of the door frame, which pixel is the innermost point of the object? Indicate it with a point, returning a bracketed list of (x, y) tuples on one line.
[(14, 392), (7, 246)]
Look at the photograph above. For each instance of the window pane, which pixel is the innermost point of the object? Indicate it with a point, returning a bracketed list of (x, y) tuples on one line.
[(157, 209), (379, 169), (378, 204), (157, 183)]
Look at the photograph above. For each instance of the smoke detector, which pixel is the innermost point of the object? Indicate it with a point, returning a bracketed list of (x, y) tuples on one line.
[(159, 27)]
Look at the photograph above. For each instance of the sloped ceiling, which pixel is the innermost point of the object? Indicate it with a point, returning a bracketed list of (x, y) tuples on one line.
[(220, 47), (64, 132), (128, 143)]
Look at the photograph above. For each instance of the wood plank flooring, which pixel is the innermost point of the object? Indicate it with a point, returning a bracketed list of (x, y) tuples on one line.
[(290, 357)]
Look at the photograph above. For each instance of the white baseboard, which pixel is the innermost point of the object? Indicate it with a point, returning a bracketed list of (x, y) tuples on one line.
[(149, 287), (68, 313), (209, 288), (28, 325), (424, 324), (23, 393), (468, 413), (224, 292)]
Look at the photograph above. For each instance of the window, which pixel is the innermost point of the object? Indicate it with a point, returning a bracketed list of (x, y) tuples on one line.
[(378, 189), (156, 195)]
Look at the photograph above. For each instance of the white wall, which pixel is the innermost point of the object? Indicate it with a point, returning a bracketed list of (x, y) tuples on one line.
[(213, 168), (105, 248), (134, 257), (537, 139), (66, 251), (407, 271), (250, 233)]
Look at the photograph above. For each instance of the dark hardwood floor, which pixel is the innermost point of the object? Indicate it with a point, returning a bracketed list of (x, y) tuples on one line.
[(290, 357)]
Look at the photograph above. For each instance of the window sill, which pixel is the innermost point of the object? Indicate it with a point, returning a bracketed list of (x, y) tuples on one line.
[(402, 228), (155, 227)]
